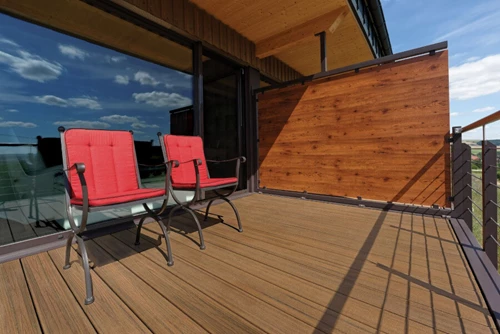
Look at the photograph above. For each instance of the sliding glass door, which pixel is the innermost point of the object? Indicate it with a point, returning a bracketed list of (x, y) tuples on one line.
[(222, 116)]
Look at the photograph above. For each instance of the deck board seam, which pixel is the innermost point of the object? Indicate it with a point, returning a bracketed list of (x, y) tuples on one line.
[(330, 289), (216, 277), (93, 272), (277, 255), (300, 278), (71, 291), (152, 287), (31, 296)]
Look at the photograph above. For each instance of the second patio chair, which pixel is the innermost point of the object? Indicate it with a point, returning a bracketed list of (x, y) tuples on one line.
[(191, 174)]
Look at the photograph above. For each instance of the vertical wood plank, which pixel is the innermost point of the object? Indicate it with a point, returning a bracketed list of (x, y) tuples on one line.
[(188, 17), (167, 10), (215, 32), (197, 24), (207, 29), (178, 13)]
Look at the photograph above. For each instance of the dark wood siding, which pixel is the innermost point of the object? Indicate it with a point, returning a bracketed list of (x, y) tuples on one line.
[(379, 134), (186, 16)]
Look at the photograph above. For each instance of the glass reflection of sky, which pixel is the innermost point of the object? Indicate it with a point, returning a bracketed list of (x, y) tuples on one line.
[(48, 79)]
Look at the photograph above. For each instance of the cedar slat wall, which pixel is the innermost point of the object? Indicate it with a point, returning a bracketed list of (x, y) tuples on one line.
[(190, 18), (379, 134)]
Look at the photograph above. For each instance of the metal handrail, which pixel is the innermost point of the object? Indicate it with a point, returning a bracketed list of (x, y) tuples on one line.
[(482, 122)]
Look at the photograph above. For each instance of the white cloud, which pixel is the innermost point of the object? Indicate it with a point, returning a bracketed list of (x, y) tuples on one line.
[(31, 66), (52, 100), (115, 59), (120, 119), (145, 79), (169, 86), (85, 102), (122, 79), (79, 102), (485, 109), (476, 78), (12, 110), (162, 99), (470, 59), (13, 124), (72, 52), (83, 124), (453, 114), (479, 24), (8, 41), (144, 126)]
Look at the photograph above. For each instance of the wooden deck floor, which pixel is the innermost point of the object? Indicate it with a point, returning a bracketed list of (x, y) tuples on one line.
[(299, 267)]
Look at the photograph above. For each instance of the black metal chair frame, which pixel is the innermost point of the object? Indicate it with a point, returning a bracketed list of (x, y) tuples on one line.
[(78, 231), (186, 206)]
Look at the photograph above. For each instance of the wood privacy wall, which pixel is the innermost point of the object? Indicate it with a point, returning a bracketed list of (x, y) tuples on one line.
[(189, 18), (379, 134)]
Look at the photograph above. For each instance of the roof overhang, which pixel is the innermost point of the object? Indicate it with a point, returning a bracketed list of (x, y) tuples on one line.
[(286, 29)]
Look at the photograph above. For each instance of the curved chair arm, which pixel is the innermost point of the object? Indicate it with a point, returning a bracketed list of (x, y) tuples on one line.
[(80, 169), (239, 161), (242, 159)]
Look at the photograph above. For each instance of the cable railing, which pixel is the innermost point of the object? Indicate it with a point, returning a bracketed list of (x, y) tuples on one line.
[(475, 197)]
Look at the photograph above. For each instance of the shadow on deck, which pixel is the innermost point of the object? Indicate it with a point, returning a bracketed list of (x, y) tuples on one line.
[(299, 266)]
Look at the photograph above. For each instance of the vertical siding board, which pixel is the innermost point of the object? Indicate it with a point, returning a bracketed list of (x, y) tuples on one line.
[(178, 13), (197, 22), (188, 17), (223, 37), (207, 29), (166, 10), (215, 32)]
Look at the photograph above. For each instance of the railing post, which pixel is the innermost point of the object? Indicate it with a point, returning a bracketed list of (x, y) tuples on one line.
[(462, 178), (490, 227)]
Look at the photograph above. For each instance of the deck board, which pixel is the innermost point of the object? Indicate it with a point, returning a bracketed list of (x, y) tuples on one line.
[(298, 267), (103, 315), (16, 307), (57, 308)]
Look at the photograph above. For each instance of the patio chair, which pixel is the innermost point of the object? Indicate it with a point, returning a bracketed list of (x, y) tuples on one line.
[(191, 173), (102, 173)]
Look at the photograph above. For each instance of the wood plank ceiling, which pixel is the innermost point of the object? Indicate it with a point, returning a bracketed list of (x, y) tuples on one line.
[(259, 20)]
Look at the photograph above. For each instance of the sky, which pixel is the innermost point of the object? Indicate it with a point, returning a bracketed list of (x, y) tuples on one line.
[(48, 79), (472, 29)]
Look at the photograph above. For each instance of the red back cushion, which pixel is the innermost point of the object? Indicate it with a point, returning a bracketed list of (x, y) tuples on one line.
[(184, 148), (109, 160)]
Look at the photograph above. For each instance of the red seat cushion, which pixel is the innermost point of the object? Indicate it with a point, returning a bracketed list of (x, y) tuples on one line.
[(123, 197), (208, 183), (110, 166)]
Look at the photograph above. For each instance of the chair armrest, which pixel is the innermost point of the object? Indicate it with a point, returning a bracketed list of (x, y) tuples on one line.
[(80, 169), (196, 162), (242, 159), (79, 166)]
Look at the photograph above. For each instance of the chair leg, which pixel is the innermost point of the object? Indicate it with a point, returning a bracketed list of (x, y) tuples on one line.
[(67, 265), (240, 228), (170, 258), (208, 209), (139, 227), (86, 268), (200, 232)]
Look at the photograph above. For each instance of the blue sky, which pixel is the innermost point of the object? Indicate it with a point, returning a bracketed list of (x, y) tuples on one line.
[(472, 29), (48, 79)]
